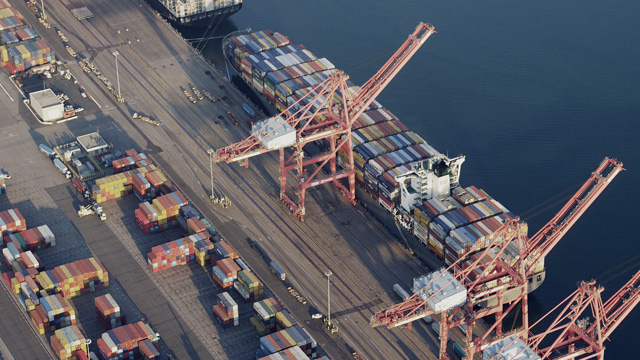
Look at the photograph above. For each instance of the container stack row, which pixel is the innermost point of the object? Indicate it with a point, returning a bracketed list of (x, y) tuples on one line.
[(12, 221), (108, 312), (22, 48), (118, 185), (285, 320), (264, 318), (132, 160), (79, 277), (248, 286), (226, 310), (178, 252), (245, 45), (292, 353), (52, 312), (132, 341), (161, 213), (285, 339), (19, 260), (32, 239), (223, 250), (68, 342)]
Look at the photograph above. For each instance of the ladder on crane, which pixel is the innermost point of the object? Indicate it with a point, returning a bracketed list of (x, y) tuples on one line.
[(486, 276), (321, 118)]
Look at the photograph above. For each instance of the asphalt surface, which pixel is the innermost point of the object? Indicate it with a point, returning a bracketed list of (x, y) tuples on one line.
[(365, 259)]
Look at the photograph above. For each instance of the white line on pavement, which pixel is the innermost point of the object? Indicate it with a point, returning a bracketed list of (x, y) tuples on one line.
[(5, 91)]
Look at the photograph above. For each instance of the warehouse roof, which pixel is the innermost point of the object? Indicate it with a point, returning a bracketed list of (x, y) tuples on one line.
[(91, 142), (45, 98)]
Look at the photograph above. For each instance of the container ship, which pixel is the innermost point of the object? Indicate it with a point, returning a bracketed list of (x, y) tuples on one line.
[(406, 184), (196, 13)]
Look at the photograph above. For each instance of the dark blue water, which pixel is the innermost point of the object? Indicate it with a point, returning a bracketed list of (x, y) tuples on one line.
[(534, 93)]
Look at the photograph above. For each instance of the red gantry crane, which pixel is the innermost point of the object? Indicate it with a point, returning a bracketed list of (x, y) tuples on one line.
[(298, 126), (580, 328), (481, 282)]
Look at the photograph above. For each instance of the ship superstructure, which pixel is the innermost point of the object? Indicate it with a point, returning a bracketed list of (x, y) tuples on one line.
[(204, 13)]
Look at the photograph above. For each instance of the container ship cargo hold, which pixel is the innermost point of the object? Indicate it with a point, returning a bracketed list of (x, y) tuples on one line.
[(412, 187), (196, 13)]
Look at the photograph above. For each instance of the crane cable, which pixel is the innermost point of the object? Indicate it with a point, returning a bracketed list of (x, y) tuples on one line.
[(204, 36), (557, 200), (630, 264)]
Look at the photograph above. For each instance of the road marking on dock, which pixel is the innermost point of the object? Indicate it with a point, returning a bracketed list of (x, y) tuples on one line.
[(116, 125), (6, 92), (5, 351)]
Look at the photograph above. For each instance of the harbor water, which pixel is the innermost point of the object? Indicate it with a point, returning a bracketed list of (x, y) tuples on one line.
[(535, 94)]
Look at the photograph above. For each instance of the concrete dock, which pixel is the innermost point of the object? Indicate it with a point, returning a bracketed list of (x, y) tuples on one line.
[(155, 66)]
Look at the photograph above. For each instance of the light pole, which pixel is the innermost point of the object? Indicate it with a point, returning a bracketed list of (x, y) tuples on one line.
[(116, 53), (44, 16), (328, 273)]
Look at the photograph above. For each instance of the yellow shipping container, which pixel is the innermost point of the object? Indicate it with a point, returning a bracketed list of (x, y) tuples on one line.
[(6, 12), (4, 53)]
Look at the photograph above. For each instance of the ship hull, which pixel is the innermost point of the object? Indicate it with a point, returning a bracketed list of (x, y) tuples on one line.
[(206, 19)]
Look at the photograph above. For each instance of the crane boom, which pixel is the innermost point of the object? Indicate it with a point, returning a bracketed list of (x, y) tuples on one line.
[(372, 88), (620, 305), (582, 324), (319, 116), (541, 244)]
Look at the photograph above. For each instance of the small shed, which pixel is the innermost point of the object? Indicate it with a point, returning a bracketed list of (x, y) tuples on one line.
[(93, 144)]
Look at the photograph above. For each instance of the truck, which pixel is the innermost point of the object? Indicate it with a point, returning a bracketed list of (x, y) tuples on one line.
[(97, 209), (404, 295), (62, 167), (81, 187), (249, 110), (277, 270), (47, 151)]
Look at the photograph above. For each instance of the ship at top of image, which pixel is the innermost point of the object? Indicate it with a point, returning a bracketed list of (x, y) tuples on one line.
[(196, 13)]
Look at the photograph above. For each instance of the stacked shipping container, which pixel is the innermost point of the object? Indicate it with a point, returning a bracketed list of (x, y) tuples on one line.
[(12, 221), (264, 319), (78, 277), (284, 320), (293, 353), (51, 312), (68, 342), (248, 286), (161, 213), (226, 310), (22, 47), (178, 252), (108, 312), (33, 239), (129, 342), (225, 272), (287, 338)]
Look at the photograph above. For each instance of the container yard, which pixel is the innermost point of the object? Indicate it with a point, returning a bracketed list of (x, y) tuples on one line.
[(167, 254)]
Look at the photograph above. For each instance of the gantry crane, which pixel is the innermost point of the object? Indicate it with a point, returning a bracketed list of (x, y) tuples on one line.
[(298, 126), (581, 327), (481, 282)]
